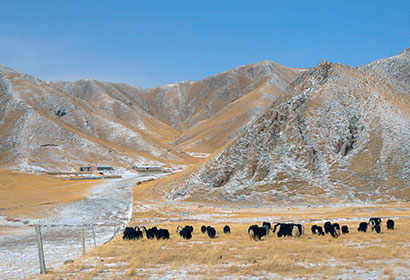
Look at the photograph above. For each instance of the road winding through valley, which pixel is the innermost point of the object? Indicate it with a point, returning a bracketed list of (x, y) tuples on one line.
[(107, 208)]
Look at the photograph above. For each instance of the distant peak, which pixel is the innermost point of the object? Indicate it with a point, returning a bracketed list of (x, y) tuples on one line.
[(266, 61), (324, 62), (88, 80)]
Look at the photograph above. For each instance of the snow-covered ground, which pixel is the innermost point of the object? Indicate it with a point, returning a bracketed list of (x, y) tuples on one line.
[(107, 208), (198, 155)]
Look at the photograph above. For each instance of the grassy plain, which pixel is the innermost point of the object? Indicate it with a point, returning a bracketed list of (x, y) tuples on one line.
[(30, 196), (234, 256)]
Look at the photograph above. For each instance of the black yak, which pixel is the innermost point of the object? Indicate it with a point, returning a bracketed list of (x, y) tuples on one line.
[(317, 230), (186, 232), (256, 233), (227, 229), (290, 229), (335, 230), (390, 224), (162, 234), (267, 225), (362, 227), (211, 231), (373, 222), (327, 227)]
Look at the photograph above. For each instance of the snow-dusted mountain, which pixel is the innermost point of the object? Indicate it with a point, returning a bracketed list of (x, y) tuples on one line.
[(274, 133), (339, 134), (60, 125)]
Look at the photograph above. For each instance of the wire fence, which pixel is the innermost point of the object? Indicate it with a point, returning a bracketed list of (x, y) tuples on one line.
[(90, 222), (35, 249)]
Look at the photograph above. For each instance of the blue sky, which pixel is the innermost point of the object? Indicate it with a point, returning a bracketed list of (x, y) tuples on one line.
[(148, 43)]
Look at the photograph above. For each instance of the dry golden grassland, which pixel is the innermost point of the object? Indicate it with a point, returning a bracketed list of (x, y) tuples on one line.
[(27, 195), (381, 256), (235, 255)]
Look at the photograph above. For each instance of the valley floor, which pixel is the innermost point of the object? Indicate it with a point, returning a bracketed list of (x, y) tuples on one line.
[(234, 256), (62, 208), (31, 196)]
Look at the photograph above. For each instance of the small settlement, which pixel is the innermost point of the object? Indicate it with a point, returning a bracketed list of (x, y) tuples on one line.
[(151, 169), (88, 172)]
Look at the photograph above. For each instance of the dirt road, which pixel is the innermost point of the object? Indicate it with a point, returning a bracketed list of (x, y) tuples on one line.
[(108, 206)]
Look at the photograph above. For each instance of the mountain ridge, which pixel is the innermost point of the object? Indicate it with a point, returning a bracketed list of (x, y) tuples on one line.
[(334, 137), (119, 121)]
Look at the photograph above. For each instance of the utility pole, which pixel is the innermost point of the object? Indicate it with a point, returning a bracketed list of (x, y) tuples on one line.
[(40, 250), (82, 242)]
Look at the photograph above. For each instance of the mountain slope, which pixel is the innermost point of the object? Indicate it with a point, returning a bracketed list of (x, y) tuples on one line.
[(192, 108), (341, 133), (60, 125), (42, 126)]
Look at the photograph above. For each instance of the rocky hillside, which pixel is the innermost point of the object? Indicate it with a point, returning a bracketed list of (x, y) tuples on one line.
[(340, 134), (184, 104), (43, 127), (201, 115), (60, 125), (230, 101)]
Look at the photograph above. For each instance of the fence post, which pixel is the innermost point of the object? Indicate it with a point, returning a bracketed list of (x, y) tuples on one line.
[(82, 242), (40, 250), (95, 243)]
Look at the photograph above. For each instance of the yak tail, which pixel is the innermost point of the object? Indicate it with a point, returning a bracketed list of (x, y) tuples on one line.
[(295, 231), (274, 228), (251, 234)]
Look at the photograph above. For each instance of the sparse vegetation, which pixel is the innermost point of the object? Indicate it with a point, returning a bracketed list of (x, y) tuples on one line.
[(235, 255), (330, 137)]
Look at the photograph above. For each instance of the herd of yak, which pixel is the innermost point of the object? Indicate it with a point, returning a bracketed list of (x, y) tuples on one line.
[(256, 232)]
